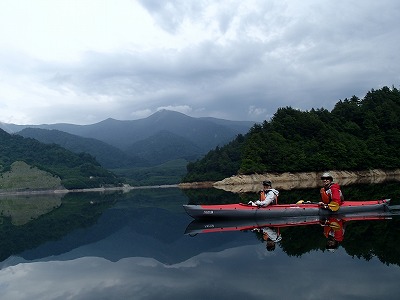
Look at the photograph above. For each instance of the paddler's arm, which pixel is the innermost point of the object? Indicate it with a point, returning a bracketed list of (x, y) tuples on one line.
[(332, 206), (323, 205)]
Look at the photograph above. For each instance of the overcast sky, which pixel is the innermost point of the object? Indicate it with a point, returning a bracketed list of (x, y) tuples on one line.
[(82, 61)]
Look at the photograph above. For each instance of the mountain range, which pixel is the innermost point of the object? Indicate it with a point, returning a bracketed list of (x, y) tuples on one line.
[(162, 137)]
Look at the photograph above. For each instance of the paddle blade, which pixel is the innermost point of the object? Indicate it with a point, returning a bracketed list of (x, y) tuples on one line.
[(334, 206), (335, 226)]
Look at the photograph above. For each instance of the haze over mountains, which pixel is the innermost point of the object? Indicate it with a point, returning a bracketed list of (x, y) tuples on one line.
[(161, 137)]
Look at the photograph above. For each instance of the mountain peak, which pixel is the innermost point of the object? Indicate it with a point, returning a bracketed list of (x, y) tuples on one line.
[(167, 112), (164, 114)]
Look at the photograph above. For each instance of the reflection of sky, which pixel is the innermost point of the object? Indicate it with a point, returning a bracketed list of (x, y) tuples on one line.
[(246, 272)]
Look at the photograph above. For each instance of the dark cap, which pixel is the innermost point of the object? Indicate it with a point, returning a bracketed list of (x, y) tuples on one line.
[(267, 182)]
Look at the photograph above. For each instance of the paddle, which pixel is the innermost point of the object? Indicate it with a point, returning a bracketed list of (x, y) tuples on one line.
[(333, 206)]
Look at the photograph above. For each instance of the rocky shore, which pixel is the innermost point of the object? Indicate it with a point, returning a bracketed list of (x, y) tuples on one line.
[(287, 181)]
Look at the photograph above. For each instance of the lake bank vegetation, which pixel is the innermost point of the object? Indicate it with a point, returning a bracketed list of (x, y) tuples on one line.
[(26, 163), (357, 135)]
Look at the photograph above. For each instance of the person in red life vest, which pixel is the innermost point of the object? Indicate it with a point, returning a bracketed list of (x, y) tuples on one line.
[(330, 192), (268, 195), (333, 231)]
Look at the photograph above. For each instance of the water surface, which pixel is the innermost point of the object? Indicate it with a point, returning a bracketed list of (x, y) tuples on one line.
[(134, 246)]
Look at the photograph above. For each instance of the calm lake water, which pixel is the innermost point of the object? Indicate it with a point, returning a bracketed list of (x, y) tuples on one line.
[(137, 246)]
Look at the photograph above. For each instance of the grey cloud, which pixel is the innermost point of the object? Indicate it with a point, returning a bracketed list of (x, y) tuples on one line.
[(206, 68), (306, 54), (171, 14), (200, 277)]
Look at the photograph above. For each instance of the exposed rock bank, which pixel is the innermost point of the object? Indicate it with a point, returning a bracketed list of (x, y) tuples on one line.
[(287, 181)]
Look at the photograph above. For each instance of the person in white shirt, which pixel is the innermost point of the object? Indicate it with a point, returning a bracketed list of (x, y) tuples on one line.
[(268, 195)]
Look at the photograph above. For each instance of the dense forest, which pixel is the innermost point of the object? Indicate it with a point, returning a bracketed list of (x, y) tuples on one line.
[(75, 170), (358, 134)]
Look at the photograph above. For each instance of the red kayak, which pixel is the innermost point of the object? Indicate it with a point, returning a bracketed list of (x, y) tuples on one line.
[(244, 211)]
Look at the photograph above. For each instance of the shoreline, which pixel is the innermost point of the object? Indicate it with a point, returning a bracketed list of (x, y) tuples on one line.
[(299, 180), (242, 183), (124, 189), (288, 180)]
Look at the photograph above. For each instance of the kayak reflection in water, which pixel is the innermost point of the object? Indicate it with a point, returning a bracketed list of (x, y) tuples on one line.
[(334, 232), (270, 236), (268, 195)]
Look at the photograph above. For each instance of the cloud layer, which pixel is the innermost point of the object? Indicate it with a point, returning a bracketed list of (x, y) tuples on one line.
[(235, 273), (84, 61)]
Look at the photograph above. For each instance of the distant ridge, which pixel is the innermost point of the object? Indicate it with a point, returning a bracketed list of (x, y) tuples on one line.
[(164, 146), (165, 135), (108, 156), (204, 133)]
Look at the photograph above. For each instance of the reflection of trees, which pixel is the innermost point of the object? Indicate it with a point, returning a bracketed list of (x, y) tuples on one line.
[(21, 209), (210, 196), (76, 211), (363, 239), (299, 240), (379, 239), (373, 191)]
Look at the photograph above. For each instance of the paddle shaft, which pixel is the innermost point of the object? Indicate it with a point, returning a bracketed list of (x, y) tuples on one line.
[(332, 206)]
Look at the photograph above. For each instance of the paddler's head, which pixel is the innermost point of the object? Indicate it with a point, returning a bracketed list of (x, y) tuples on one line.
[(331, 244), (327, 179), (270, 245), (267, 184)]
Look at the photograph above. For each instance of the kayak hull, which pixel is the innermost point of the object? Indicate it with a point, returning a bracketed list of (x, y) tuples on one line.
[(243, 211)]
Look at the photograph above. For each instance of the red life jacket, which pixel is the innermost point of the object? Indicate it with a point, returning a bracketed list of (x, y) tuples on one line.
[(332, 194), (335, 229)]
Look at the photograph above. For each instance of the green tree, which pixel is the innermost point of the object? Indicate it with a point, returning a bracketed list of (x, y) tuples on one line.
[(357, 134)]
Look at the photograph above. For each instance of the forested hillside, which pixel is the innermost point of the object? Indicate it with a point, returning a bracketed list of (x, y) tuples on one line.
[(358, 134), (108, 156), (74, 170), (164, 146), (149, 151)]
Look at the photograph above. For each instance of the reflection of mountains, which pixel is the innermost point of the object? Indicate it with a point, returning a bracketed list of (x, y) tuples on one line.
[(22, 209), (131, 226), (157, 233), (134, 232), (152, 223), (70, 215)]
